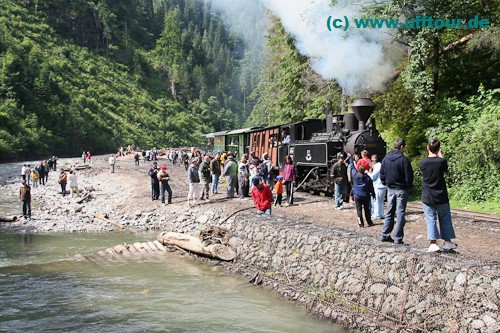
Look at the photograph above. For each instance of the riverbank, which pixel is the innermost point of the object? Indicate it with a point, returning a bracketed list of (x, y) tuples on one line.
[(307, 252)]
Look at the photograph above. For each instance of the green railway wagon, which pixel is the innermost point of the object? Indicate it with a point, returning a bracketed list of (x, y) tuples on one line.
[(238, 141)]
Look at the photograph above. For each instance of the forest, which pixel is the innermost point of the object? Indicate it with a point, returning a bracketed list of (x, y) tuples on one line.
[(96, 74)]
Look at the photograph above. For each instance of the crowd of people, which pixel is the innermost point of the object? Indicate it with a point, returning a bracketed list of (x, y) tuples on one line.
[(370, 183), (365, 180)]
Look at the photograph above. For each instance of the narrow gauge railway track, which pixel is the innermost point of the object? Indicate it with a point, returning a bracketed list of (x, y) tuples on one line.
[(484, 217)]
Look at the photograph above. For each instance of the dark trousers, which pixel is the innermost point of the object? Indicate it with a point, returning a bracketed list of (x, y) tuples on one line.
[(26, 208), (279, 198), (363, 204), (243, 188), (63, 189), (163, 188), (289, 192), (155, 190)]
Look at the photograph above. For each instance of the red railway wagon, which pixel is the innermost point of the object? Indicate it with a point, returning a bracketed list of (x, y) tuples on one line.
[(266, 140)]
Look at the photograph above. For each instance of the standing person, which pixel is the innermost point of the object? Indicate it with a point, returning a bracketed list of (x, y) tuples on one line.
[(278, 190), (194, 182), (253, 171), (54, 158), (23, 172), (380, 189), (364, 160), (175, 155), (48, 167), (231, 173), (435, 198), (25, 197), (185, 160), (362, 191), (216, 172), (63, 179), (262, 196), (289, 176), (89, 157), (111, 162), (243, 175), (338, 174), (267, 166), (73, 183), (163, 178), (35, 176), (84, 157), (397, 174), (28, 174), (136, 159), (205, 177), (155, 184), (40, 168)]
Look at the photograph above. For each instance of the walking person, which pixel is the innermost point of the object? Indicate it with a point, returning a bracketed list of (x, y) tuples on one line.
[(155, 184), (62, 180), (435, 200), (47, 170), (89, 157), (34, 176), (216, 172), (262, 196), (111, 162), (338, 174), (163, 178), (23, 172), (397, 174), (362, 192), (25, 197), (27, 174), (73, 183), (136, 159), (380, 189), (194, 182), (205, 177), (84, 157), (231, 173), (289, 176)]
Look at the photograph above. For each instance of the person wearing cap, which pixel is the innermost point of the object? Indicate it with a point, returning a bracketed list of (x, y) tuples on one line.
[(278, 190), (155, 184), (231, 173), (163, 178), (111, 163), (338, 174), (262, 196)]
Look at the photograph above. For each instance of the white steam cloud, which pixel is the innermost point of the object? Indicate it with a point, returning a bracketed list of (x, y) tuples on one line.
[(354, 58)]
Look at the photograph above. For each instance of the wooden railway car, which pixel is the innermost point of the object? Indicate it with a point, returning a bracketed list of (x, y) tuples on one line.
[(219, 141)]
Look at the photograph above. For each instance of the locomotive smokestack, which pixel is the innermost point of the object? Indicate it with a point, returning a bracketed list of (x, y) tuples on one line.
[(329, 118), (363, 109)]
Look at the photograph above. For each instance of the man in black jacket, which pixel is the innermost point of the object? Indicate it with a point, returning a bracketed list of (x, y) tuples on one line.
[(397, 174)]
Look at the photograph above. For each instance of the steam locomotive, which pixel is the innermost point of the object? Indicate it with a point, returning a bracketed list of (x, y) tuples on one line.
[(314, 144)]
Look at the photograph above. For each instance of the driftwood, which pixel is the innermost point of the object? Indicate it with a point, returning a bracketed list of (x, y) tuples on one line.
[(8, 218), (195, 245), (105, 217)]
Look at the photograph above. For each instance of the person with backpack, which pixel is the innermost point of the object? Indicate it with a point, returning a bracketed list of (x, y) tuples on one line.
[(205, 177), (62, 180)]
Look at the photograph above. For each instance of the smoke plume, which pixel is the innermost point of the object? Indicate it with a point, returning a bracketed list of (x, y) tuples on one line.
[(354, 58)]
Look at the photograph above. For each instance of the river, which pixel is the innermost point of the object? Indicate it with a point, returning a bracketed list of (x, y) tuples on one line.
[(39, 292)]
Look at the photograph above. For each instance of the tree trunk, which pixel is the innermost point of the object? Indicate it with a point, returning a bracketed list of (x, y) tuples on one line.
[(195, 245)]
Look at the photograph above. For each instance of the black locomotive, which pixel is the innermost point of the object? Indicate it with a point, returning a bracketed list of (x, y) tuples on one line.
[(346, 133)]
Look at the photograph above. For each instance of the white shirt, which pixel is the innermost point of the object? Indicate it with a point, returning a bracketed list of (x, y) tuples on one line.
[(111, 160), (72, 180)]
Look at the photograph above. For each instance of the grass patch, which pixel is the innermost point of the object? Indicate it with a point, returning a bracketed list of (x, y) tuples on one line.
[(484, 207)]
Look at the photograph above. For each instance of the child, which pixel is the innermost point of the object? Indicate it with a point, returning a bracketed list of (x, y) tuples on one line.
[(278, 189)]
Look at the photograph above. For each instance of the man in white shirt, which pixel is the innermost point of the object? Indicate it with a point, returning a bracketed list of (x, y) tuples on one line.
[(111, 163)]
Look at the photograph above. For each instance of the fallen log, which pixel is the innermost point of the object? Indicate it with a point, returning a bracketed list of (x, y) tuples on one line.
[(8, 218), (193, 244)]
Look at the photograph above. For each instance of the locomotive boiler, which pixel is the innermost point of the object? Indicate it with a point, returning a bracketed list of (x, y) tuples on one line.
[(345, 133)]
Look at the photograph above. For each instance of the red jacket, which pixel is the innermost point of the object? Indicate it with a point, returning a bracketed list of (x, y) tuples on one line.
[(365, 161), (262, 198)]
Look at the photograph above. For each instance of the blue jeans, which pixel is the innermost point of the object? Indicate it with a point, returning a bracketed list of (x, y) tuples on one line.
[(215, 183), (378, 203), (340, 194), (396, 207), (163, 188), (441, 212)]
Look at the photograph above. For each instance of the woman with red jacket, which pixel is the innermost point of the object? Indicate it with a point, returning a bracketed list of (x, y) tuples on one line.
[(262, 196)]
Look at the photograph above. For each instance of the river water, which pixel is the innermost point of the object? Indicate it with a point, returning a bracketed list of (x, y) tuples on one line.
[(39, 292)]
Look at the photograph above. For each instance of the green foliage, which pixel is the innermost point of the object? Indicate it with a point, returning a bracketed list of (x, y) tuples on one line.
[(288, 89), (58, 98), (470, 133)]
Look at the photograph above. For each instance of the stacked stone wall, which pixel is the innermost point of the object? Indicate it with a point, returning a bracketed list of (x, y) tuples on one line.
[(366, 284)]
